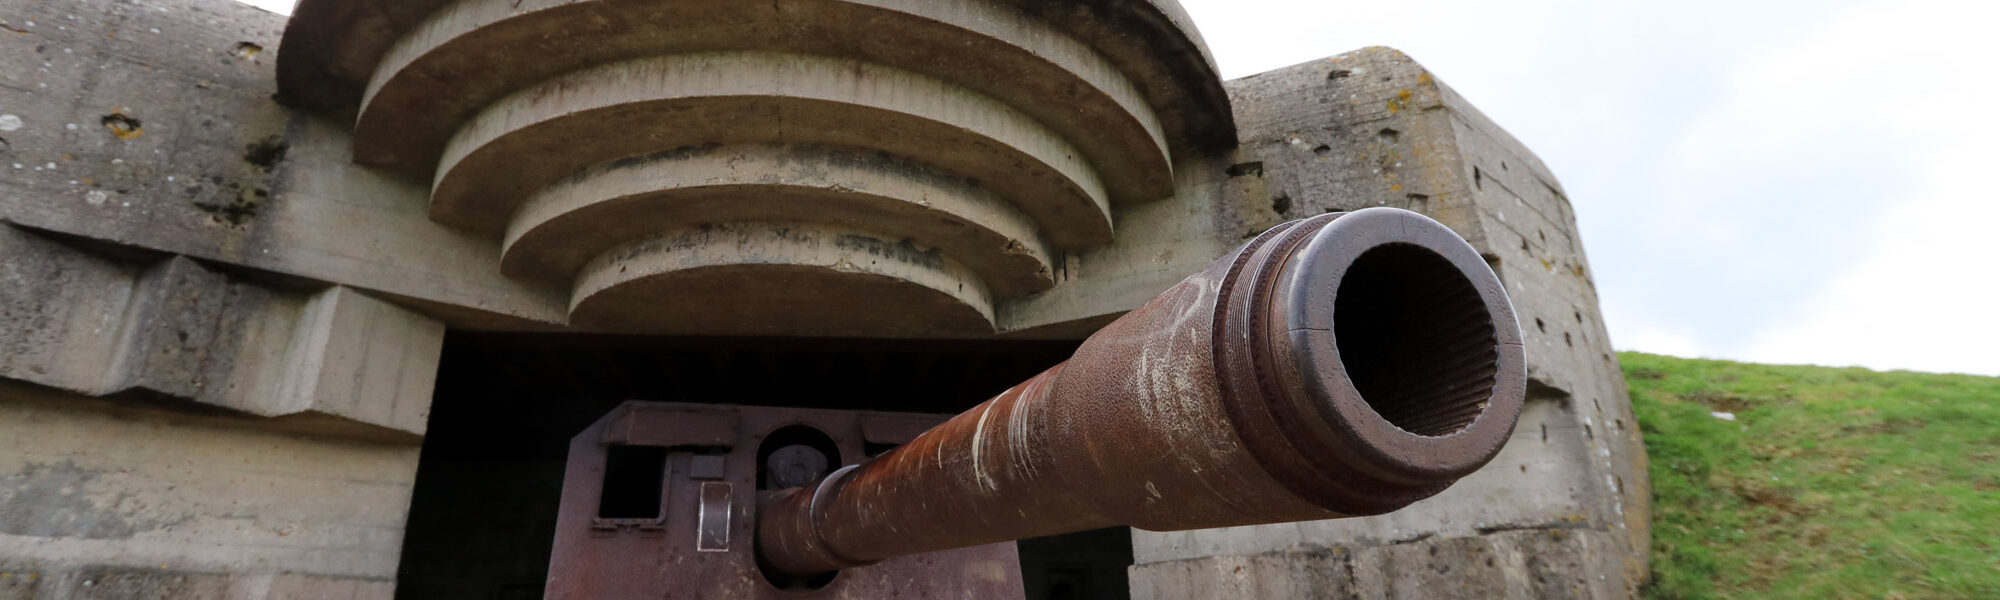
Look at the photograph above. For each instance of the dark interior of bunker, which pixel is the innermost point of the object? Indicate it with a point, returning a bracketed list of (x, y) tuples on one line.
[(490, 478)]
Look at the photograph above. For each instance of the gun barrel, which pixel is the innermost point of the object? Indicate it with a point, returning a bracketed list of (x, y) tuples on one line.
[(1344, 365)]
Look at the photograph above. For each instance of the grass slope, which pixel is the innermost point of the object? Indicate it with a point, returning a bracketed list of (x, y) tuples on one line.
[(1831, 483)]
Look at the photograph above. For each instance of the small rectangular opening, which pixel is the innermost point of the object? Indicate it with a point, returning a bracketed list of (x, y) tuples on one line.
[(1077, 566), (633, 478)]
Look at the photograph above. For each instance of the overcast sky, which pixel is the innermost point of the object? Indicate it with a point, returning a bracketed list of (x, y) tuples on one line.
[(1775, 181), (1792, 182)]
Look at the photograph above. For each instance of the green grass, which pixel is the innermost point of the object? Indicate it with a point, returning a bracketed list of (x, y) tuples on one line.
[(1831, 483)]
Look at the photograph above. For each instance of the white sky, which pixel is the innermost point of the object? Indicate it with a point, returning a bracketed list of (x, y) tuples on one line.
[(1776, 181), (1780, 181)]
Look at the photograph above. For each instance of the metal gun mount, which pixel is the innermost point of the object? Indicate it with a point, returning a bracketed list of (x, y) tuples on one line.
[(1344, 365)]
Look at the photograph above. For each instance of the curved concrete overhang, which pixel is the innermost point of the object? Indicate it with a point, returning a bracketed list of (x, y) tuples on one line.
[(1156, 43), (564, 226), (332, 48), (992, 139), (778, 279), (980, 46), (533, 137)]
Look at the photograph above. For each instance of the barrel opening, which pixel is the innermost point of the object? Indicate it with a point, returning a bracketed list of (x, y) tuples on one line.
[(1416, 339), (795, 456)]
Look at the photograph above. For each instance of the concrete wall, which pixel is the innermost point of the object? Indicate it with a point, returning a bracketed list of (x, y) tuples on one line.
[(1562, 511), (326, 359), (173, 425), (119, 499)]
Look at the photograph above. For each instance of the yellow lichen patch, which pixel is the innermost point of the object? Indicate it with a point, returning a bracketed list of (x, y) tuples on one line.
[(123, 126), (1424, 78), (1401, 100)]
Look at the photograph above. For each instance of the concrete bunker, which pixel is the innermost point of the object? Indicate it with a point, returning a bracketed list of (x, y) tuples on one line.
[(272, 405)]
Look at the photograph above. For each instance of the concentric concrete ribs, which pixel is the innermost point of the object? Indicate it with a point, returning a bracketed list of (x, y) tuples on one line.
[(567, 224), (779, 279), (991, 134), (535, 136), (1145, 54), (482, 50)]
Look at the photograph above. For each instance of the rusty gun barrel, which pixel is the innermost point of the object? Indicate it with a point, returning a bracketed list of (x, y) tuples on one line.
[(1344, 365)]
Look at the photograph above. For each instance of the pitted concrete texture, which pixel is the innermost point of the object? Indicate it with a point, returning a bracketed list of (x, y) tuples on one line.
[(109, 113), (779, 279), (1539, 480), (169, 141), (119, 583), (1373, 128), (61, 311), (1547, 563), (331, 360), (115, 499)]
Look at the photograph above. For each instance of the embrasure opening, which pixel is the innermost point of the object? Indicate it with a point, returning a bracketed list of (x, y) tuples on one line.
[(1416, 339)]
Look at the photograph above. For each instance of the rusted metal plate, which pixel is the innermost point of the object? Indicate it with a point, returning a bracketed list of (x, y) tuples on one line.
[(702, 546), (651, 425)]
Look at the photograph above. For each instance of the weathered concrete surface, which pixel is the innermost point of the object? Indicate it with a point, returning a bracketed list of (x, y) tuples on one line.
[(1373, 128), (780, 279), (217, 172), (565, 225), (357, 358), (1159, 244), (470, 53), (61, 310), (168, 140), (1552, 563), (529, 139), (330, 360), (115, 499), (1050, 107), (334, 54)]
